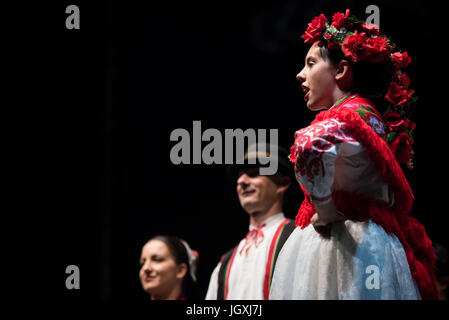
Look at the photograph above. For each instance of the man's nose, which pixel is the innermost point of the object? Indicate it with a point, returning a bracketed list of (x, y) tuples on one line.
[(243, 180)]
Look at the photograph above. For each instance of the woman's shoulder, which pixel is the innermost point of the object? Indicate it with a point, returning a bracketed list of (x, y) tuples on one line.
[(350, 112), (363, 106), (367, 111)]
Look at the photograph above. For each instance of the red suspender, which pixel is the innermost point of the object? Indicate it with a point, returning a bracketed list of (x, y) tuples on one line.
[(228, 271), (270, 260)]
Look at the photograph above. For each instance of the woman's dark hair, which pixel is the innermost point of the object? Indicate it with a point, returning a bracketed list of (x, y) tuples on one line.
[(179, 251), (371, 80)]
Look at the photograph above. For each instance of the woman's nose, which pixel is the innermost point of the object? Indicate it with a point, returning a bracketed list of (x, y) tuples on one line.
[(147, 267), (301, 76)]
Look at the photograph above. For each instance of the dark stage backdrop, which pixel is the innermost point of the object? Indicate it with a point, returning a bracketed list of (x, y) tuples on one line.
[(88, 177)]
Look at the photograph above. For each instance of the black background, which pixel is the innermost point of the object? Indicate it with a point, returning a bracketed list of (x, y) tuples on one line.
[(88, 116)]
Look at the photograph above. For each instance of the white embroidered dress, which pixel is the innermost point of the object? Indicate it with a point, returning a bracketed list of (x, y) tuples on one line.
[(360, 260)]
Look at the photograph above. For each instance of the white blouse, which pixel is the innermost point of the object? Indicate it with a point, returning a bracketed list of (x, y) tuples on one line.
[(331, 160), (247, 273)]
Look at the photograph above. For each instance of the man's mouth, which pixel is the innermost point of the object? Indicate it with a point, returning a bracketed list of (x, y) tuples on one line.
[(247, 192)]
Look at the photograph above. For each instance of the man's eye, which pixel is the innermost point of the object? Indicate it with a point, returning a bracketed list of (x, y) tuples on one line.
[(253, 172)]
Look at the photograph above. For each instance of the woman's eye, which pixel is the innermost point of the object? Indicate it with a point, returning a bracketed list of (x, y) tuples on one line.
[(158, 259)]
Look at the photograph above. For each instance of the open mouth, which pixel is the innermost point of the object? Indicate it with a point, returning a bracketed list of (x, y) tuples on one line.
[(306, 91), (306, 97)]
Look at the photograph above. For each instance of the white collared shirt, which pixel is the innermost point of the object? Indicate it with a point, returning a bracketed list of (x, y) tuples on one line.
[(247, 275)]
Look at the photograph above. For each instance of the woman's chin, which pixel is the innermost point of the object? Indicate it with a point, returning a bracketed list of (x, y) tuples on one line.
[(316, 106), (312, 107)]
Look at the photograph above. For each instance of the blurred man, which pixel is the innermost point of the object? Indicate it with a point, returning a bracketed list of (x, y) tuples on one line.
[(245, 271)]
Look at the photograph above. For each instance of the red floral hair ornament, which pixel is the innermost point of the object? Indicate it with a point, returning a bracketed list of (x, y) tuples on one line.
[(360, 42), (315, 29)]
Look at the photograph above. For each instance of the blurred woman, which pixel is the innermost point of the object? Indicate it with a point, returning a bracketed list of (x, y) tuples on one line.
[(168, 268)]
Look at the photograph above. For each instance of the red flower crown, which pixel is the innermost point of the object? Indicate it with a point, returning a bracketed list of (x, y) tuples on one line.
[(360, 42)]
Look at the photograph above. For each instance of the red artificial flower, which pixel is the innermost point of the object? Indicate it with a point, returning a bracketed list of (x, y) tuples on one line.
[(400, 125), (370, 29), (333, 45), (404, 80), (328, 36), (377, 49), (340, 19), (397, 95), (391, 115), (402, 148), (353, 46), (401, 60), (315, 29)]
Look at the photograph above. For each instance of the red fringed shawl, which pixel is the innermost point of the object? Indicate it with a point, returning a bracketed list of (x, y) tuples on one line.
[(394, 220)]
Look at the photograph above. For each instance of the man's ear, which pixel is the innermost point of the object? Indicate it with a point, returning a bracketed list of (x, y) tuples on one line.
[(284, 183)]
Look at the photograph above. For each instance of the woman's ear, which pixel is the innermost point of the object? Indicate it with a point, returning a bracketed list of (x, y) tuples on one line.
[(182, 270), (343, 75)]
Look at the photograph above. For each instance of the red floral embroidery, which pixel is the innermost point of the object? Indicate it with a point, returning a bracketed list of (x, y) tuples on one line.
[(312, 142)]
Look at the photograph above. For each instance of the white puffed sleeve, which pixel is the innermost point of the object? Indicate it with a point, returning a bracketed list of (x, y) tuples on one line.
[(327, 158)]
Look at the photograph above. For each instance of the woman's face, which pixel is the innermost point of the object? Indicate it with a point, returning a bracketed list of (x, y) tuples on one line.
[(318, 80), (159, 272)]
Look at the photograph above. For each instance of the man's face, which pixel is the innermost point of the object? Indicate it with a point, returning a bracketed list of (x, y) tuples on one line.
[(256, 193)]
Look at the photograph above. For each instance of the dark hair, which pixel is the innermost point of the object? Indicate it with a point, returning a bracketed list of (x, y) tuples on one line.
[(179, 251), (370, 80), (442, 261)]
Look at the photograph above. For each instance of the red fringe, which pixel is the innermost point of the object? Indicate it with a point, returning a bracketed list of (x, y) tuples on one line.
[(305, 212), (394, 220)]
